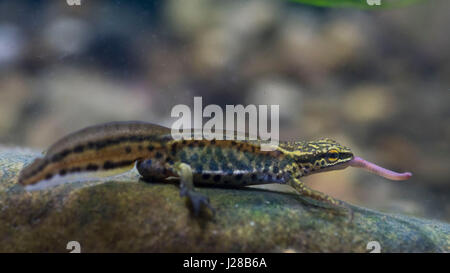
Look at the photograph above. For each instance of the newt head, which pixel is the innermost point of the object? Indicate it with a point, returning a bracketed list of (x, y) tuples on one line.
[(319, 155), (328, 155)]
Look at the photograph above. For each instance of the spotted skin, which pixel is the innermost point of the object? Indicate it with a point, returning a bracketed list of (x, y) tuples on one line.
[(225, 163)]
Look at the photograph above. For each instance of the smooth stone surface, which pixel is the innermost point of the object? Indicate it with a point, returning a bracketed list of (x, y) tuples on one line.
[(125, 214)]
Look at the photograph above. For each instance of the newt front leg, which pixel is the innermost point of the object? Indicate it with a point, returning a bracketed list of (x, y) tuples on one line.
[(303, 190)]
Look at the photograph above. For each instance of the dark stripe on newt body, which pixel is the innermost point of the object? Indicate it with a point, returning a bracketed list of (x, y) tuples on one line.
[(108, 165), (94, 146), (104, 144)]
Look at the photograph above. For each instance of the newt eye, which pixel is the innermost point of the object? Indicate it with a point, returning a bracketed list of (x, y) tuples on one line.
[(332, 155)]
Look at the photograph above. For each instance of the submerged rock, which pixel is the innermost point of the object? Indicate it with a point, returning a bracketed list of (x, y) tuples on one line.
[(125, 214)]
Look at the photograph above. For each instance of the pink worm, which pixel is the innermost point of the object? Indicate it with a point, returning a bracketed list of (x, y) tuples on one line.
[(361, 163)]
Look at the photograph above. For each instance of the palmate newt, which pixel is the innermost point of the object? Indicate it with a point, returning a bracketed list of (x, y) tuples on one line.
[(119, 146)]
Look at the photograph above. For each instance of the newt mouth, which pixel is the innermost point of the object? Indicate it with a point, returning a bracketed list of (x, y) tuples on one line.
[(358, 162)]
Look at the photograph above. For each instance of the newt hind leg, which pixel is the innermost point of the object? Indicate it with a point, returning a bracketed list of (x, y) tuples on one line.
[(198, 200), (303, 190), (153, 170), (157, 170)]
